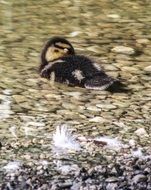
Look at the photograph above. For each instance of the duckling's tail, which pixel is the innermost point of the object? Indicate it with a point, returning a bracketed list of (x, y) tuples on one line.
[(117, 87)]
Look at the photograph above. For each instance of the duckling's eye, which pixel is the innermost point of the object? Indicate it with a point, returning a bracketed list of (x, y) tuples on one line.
[(56, 50)]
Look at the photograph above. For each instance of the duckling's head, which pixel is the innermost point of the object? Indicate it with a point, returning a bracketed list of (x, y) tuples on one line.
[(55, 48)]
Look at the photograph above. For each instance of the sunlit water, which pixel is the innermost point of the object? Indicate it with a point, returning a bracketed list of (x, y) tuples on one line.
[(30, 107)]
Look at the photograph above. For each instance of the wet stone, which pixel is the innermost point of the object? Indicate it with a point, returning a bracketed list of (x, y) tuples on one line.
[(147, 69), (110, 67), (143, 41), (97, 120), (114, 16), (106, 106), (69, 106), (130, 69), (113, 74), (19, 98), (141, 132), (93, 108), (139, 178), (95, 49), (111, 186), (111, 179), (123, 50)]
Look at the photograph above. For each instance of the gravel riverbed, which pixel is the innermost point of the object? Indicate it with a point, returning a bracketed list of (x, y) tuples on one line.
[(111, 132)]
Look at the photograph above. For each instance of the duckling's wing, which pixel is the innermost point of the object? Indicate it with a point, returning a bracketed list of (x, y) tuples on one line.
[(99, 82), (104, 82)]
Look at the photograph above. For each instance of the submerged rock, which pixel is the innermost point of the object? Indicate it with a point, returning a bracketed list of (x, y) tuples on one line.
[(141, 132), (139, 178), (123, 50), (148, 69), (97, 120), (114, 16), (12, 166), (142, 41)]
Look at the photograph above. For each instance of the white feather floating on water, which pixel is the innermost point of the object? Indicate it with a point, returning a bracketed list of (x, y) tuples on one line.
[(64, 139), (111, 143)]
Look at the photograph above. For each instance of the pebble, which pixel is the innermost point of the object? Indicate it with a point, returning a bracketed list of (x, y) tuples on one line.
[(106, 106), (142, 41), (93, 108), (123, 50), (141, 132), (130, 69), (110, 175), (148, 69), (111, 186), (139, 178), (111, 179), (39, 167), (74, 94), (19, 98), (110, 67), (97, 120), (75, 33), (132, 142), (94, 49), (69, 106), (114, 16), (112, 74), (137, 153)]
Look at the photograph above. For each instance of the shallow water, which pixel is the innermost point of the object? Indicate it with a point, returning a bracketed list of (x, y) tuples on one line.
[(30, 107)]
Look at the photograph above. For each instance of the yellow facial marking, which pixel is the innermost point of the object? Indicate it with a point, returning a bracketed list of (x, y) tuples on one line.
[(54, 53)]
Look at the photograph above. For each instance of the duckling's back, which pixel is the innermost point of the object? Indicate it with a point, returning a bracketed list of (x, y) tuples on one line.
[(78, 70)]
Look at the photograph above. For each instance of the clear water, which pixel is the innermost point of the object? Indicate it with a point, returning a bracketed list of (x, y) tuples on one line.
[(30, 107)]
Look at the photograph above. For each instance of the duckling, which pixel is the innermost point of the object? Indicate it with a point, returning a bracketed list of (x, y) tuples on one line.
[(60, 63)]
